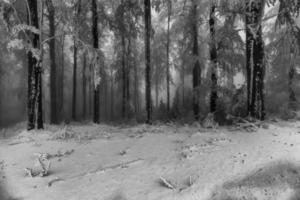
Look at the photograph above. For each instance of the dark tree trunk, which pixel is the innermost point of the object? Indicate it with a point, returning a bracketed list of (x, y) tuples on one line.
[(39, 96), (292, 95), (74, 97), (53, 73), (112, 95), (34, 104), (147, 5), (128, 68), (105, 95), (74, 81), (255, 59), (197, 68), (183, 85), (84, 86), (61, 80), (213, 59), (136, 88), (249, 46), (156, 90), (168, 55), (96, 47), (91, 91), (123, 78), (31, 92)]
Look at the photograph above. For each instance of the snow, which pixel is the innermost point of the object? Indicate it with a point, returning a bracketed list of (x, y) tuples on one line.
[(128, 162)]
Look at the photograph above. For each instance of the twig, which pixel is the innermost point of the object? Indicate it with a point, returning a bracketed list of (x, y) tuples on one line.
[(103, 169), (56, 179), (166, 183)]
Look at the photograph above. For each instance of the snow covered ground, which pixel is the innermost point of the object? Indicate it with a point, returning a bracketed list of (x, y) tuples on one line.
[(138, 162)]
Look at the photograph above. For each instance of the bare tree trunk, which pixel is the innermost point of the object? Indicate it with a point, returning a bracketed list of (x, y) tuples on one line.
[(168, 56), (183, 85), (129, 61), (112, 95), (123, 79), (136, 81), (105, 96), (84, 85), (156, 89), (53, 69), (213, 59), (61, 81), (292, 95), (34, 103), (96, 47), (74, 81), (147, 5), (197, 68), (74, 97), (255, 58), (91, 90)]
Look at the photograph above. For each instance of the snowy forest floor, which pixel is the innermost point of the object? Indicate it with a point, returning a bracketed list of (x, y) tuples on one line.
[(90, 162)]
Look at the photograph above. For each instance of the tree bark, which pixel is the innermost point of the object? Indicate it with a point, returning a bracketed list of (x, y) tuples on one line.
[(61, 80), (96, 117), (53, 70), (292, 95), (34, 102), (123, 77), (128, 68), (147, 5), (84, 86), (255, 58), (156, 89), (168, 55), (213, 60), (74, 97), (197, 68), (74, 81), (112, 95)]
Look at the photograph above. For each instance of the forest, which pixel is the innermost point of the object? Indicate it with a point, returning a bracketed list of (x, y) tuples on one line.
[(161, 99)]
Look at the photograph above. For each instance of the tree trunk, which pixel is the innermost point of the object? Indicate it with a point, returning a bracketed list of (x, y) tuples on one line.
[(168, 55), (112, 95), (156, 89), (84, 86), (147, 5), (53, 74), (213, 60), (123, 78), (91, 90), (128, 67), (96, 75), (74, 81), (196, 69), (34, 102), (135, 90), (74, 97), (255, 58), (61, 81), (183, 85), (105, 96), (292, 95)]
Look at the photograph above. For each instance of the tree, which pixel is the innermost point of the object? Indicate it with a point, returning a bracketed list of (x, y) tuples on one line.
[(53, 74), (169, 4), (197, 68), (95, 34), (147, 7), (75, 52), (213, 60), (84, 104), (255, 64), (34, 103)]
